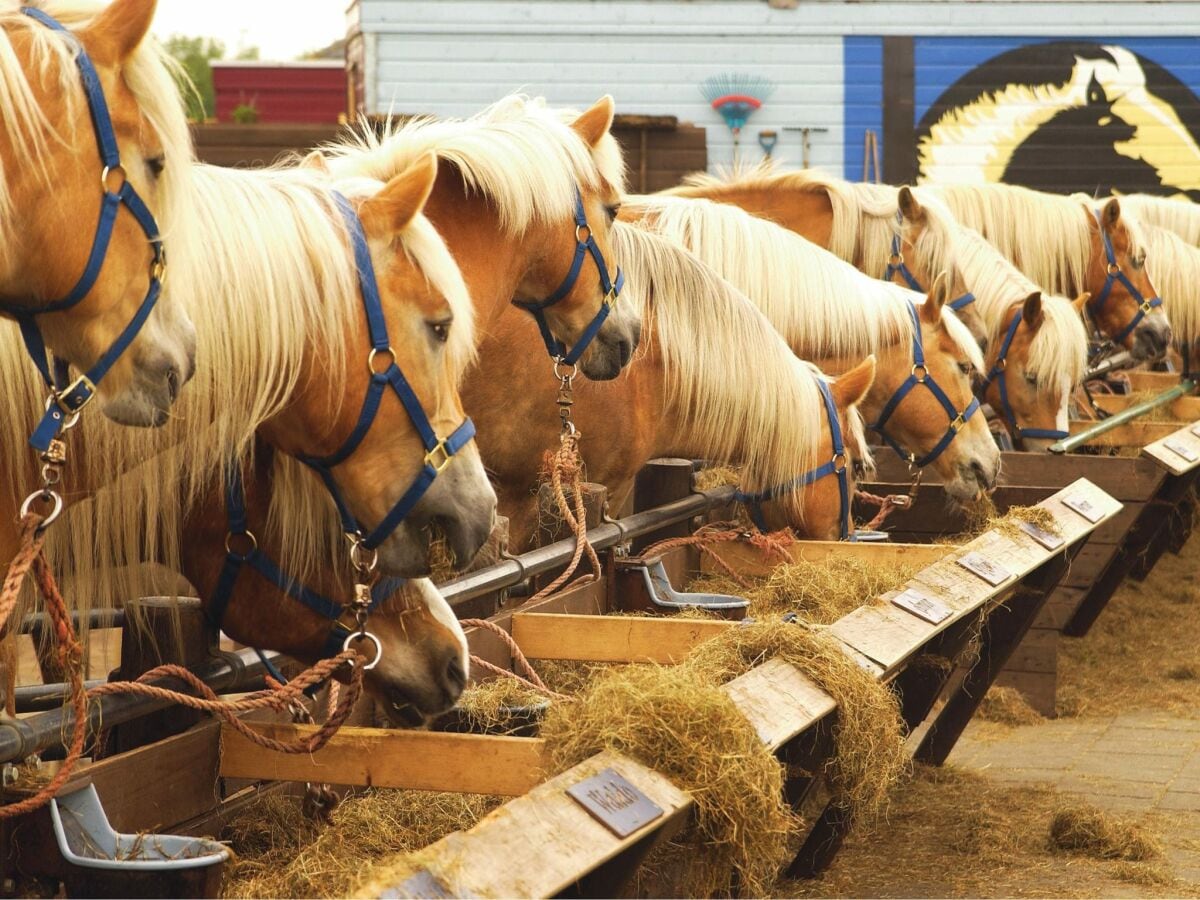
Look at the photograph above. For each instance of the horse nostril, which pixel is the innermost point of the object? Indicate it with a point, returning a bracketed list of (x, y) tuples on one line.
[(173, 383), (980, 473), (456, 676)]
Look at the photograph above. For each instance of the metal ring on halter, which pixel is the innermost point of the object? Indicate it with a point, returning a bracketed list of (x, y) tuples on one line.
[(356, 558), (557, 362), (1114, 268), (895, 260), (108, 170), (51, 475), (52, 497), (70, 419), (158, 267), (924, 372), (583, 227), (371, 360), (366, 636), (230, 535), (839, 462), (569, 428)]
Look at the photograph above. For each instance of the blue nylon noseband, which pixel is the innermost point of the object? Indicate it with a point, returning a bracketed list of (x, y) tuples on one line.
[(897, 266), (999, 374), (67, 400), (957, 419), (1115, 274), (584, 247), (753, 500), (438, 453)]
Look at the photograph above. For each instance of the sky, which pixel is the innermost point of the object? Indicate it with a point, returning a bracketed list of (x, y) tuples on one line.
[(281, 29)]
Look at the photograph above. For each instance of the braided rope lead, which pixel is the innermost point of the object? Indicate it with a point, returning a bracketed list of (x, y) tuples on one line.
[(775, 543), (530, 677)]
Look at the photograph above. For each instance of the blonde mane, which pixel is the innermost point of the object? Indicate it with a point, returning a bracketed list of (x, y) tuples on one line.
[(263, 266), (705, 331), (1174, 267), (1180, 216), (517, 152), (1058, 352), (148, 73), (824, 307)]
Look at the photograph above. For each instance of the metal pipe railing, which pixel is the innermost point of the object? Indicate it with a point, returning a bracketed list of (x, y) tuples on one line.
[(97, 618), (229, 673), (1125, 416), (1114, 363), (513, 571)]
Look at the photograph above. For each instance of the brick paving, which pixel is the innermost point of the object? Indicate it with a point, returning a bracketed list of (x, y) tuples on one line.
[(1136, 763)]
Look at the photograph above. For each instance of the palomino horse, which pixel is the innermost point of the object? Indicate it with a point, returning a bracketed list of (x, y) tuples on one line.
[(921, 403), (1069, 246), (414, 310), (1179, 216), (524, 201), (81, 259), (690, 392), (860, 223), (1175, 266)]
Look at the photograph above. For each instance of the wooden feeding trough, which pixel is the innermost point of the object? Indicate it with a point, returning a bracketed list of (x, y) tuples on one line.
[(560, 844)]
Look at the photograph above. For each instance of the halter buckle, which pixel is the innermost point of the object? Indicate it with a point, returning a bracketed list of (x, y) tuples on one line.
[(920, 368), (610, 299), (439, 457), (1147, 305), (158, 267), (957, 425), (74, 389), (248, 535), (375, 353)]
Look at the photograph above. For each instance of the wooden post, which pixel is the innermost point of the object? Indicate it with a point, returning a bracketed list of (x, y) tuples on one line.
[(662, 481), (173, 630)]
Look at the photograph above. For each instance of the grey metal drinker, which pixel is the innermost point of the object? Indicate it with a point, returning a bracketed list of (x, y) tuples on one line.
[(661, 593)]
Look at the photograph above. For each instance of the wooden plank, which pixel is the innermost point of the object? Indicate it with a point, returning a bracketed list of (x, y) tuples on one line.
[(542, 843), (1187, 439), (747, 559), (780, 701), (889, 635), (1037, 652), (1184, 409), (1132, 434), (611, 638), (1153, 381), (381, 757)]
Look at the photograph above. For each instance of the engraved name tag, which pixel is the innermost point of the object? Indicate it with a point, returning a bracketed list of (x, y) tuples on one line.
[(1182, 450), (614, 802), (1084, 507), (1042, 536), (932, 611), (991, 572)]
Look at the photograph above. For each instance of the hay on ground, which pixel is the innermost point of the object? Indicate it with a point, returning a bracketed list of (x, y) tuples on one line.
[(1083, 828), (1008, 706)]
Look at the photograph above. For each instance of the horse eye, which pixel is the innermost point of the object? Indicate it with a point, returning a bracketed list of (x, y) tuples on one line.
[(156, 164), (965, 368), (1138, 261), (612, 211), (1031, 378), (441, 331)]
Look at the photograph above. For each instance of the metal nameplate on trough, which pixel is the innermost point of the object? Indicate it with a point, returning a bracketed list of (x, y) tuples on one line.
[(615, 803), (1084, 507), (1042, 536), (933, 611), (1182, 450), (420, 885), (991, 572)]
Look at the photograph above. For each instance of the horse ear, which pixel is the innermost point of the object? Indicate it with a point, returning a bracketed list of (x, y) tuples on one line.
[(402, 199), (931, 309), (1111, 213), (1080, 303), (1031, 313), (910, 207), (851, 388), (116, 32), (315, 161), (594, 124)]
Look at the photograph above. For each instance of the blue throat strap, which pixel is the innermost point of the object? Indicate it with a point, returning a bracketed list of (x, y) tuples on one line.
[(1115, 274), (999, 374), (439, 453), (67, 400), (957, 419), (257, 561), (837, 466), (584, 247), (897, 265)]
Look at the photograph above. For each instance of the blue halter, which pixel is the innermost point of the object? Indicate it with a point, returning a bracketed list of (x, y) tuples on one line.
[(837, 466), (897, 265), (584, 247), (1116, 274), (67, 400), (999, 374), (957, 419), (255, 559), (439, 453)]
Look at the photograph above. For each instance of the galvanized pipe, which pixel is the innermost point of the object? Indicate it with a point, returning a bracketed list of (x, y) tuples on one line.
[(1125, 416), (1114, 363), (607, 534), (229, 673), (97, 618)]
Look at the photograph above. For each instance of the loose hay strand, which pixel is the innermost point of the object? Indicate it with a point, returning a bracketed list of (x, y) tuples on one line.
[(1083, 828)]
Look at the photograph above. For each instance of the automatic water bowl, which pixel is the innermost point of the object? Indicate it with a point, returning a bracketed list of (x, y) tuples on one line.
[(104, 863)]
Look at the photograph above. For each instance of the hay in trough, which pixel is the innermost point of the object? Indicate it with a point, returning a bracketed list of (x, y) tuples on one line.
[(982, 515), (870, 755), (684, 726), (819, 592), (1083, 828), (1008, 706), (281, 853), (715, 477), (490, 705)]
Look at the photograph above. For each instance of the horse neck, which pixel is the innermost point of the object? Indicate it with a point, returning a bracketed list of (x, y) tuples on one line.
[(892, 365), (807, 213)]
